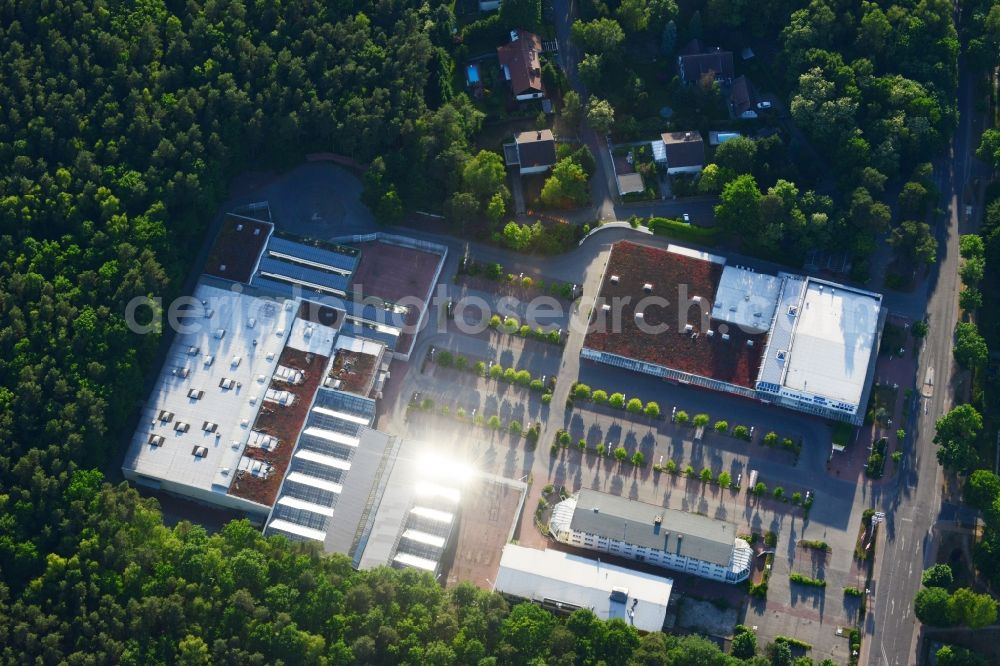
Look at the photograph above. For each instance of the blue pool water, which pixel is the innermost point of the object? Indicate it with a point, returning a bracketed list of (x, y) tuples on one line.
[(473, 74)]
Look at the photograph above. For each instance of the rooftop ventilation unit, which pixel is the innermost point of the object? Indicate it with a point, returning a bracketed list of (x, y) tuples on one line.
[(688, 328), (195, 394), (219, 334), (199, 451), (710, 333), (725, 336), (165, 416), (614, 279), (181, 372), (793, 310), (782, 354), (251, 322), (156, 440), (605, 307), (638, 316), (239, 227), (208, 426), (193, 350), (619, 594), (256, 231), (648, 288), (226, 383), (235, 363), (209, 360), (180, 426), (696, 299), (749, 343)]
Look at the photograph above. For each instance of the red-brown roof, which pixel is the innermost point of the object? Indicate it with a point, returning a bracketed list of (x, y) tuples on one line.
[(237, 248), (520, 58), (282, 423), (675, 279)]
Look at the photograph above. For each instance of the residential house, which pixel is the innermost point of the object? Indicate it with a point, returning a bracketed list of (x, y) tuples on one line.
[(521, 66), (742, 102), (694, 62), (682, 152), (532, 152)]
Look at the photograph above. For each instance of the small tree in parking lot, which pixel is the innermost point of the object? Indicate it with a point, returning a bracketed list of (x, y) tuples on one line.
[(681, 417), (760, 488), (495, 321), (493, 422), (601, 448), (634, 406), (523, 377), (445, 359), (722, 426), (706, 475), (510, 375), (581, 392), (621, 454), (564, 438), (480, 368), (510, 325), (725, 479), (652, 410), (514, 427), (617, 400), (599, 396), (700, 420), (638, 459), (496, 370)]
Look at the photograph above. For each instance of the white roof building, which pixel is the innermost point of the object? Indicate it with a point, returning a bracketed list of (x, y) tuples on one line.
[(746, 298), (821, 352), (563, 583), (197, 421)]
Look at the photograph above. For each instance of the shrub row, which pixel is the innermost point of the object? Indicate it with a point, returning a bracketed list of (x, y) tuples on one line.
[(512, 326), (446, 359), (497, 273), (793, 642), (494, 422), (806, 580), (772, 440), (616, 400), (853, 592), (662, 226), (815, 544), (563, 440)]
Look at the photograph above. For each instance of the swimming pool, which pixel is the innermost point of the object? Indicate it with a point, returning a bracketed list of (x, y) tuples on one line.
[(472, 74)]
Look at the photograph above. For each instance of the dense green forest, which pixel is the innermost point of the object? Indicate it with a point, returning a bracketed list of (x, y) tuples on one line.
[(121, 123)]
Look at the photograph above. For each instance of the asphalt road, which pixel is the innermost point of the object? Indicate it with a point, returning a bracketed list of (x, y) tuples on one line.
[(913, 510)]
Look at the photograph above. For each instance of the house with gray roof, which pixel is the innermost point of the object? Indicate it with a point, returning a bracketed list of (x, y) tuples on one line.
[(679, 540)]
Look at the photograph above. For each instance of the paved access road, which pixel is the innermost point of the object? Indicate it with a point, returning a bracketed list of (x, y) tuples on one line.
[(914, 507)]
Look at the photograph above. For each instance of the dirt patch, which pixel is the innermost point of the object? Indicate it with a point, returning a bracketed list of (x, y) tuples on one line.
[(706, 617)]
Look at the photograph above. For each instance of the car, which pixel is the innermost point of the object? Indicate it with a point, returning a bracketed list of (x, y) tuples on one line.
[(451, 308), (687, 218), (415, 398), (763, 105)]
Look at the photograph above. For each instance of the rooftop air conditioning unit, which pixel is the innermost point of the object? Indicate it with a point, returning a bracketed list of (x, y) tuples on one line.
[(688, 328), (725, 336), (749, 343), (239, 227), (614, 279), (710, 333), (782, 354), (648, 288), (220, 333)]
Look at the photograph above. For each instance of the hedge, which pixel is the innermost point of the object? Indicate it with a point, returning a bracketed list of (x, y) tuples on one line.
[(662, 226)]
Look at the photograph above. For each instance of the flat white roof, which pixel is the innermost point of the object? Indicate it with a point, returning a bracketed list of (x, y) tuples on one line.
[(558, 577), (833, 341), (695, 254), (359, 345), (746, 298), (299, 530), (220, 353), (416, 562), (312, 338)]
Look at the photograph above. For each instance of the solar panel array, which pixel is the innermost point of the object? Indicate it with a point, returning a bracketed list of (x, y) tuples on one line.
[(320, 464), (428, 527)]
